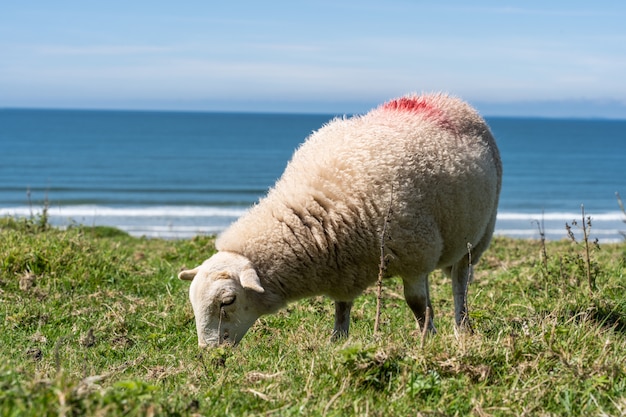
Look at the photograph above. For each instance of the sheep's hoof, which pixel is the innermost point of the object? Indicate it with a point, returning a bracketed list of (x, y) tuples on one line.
[(338, 336), (465, 326)]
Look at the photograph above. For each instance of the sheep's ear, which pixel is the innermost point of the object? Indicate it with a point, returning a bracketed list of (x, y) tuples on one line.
[(189, 274), (250, 280)]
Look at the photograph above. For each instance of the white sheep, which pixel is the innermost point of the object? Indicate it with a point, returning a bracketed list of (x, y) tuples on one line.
[(431, 159)]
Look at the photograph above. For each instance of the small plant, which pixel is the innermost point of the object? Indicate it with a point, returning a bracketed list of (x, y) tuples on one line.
[(590, 267), (371, 368), (425, 385), (41, 221)]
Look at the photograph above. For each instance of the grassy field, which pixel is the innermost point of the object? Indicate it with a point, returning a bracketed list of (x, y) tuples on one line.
[(95, 322)]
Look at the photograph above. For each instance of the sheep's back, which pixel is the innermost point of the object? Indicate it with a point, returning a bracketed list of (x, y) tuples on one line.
[(431, 158)]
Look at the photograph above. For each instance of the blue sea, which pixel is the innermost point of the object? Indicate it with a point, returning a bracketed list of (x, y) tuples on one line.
[(177, 174)]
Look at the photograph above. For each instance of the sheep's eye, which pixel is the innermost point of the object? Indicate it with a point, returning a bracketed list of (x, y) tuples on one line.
[(226, 301)]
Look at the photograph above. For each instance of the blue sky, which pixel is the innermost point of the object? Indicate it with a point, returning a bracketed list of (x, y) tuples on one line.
[(547, 58)]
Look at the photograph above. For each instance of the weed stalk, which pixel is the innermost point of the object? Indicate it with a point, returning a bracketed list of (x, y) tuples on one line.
[(470, 277), (30, 202), (425, 327), (43, 219), (621, 206), (585, 227), (542, 237), (382, 266)]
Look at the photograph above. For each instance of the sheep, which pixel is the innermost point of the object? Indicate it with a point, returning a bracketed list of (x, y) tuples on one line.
[(429, 161)]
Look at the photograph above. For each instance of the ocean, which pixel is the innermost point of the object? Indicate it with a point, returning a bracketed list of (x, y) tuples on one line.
[(179, 174)]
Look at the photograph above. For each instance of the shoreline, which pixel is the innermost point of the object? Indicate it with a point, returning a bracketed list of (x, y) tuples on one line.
[(183, 222)]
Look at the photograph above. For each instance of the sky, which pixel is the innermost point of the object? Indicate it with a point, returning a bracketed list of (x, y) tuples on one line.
[(520, 58)]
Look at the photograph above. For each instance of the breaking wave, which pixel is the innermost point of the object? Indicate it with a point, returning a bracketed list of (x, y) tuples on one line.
[(187, 221)]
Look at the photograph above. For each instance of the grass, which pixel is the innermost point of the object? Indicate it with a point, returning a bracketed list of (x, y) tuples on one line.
[(95, 322)]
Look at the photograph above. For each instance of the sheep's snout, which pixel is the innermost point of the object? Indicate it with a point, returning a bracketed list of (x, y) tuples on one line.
[(223, 340)]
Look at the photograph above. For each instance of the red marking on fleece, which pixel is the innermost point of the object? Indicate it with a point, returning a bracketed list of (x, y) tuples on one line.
[(412, 104), (419, 105)]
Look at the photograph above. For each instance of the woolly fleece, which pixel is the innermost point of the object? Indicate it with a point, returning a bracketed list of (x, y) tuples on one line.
[(430, 158)]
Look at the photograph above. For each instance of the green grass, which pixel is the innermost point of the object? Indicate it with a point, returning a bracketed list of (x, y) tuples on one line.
[(95, 322)]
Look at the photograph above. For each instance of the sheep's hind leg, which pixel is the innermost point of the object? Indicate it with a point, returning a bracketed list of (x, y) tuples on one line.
[(417, 296), (342, 319), (460, 274)]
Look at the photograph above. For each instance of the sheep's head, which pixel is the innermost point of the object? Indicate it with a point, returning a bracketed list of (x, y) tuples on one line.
[(225, 295)]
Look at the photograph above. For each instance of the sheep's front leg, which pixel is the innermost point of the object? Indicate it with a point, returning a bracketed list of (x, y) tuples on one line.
[(417, 296), (342, 319)]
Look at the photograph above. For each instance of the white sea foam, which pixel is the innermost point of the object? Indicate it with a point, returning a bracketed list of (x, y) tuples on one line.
[(171, 222), (171, 232), (188, 221), (104, 211), (605, 226), (564, 216)]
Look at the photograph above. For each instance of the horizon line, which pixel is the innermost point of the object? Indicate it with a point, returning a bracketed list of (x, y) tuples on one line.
[(486, 114)]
